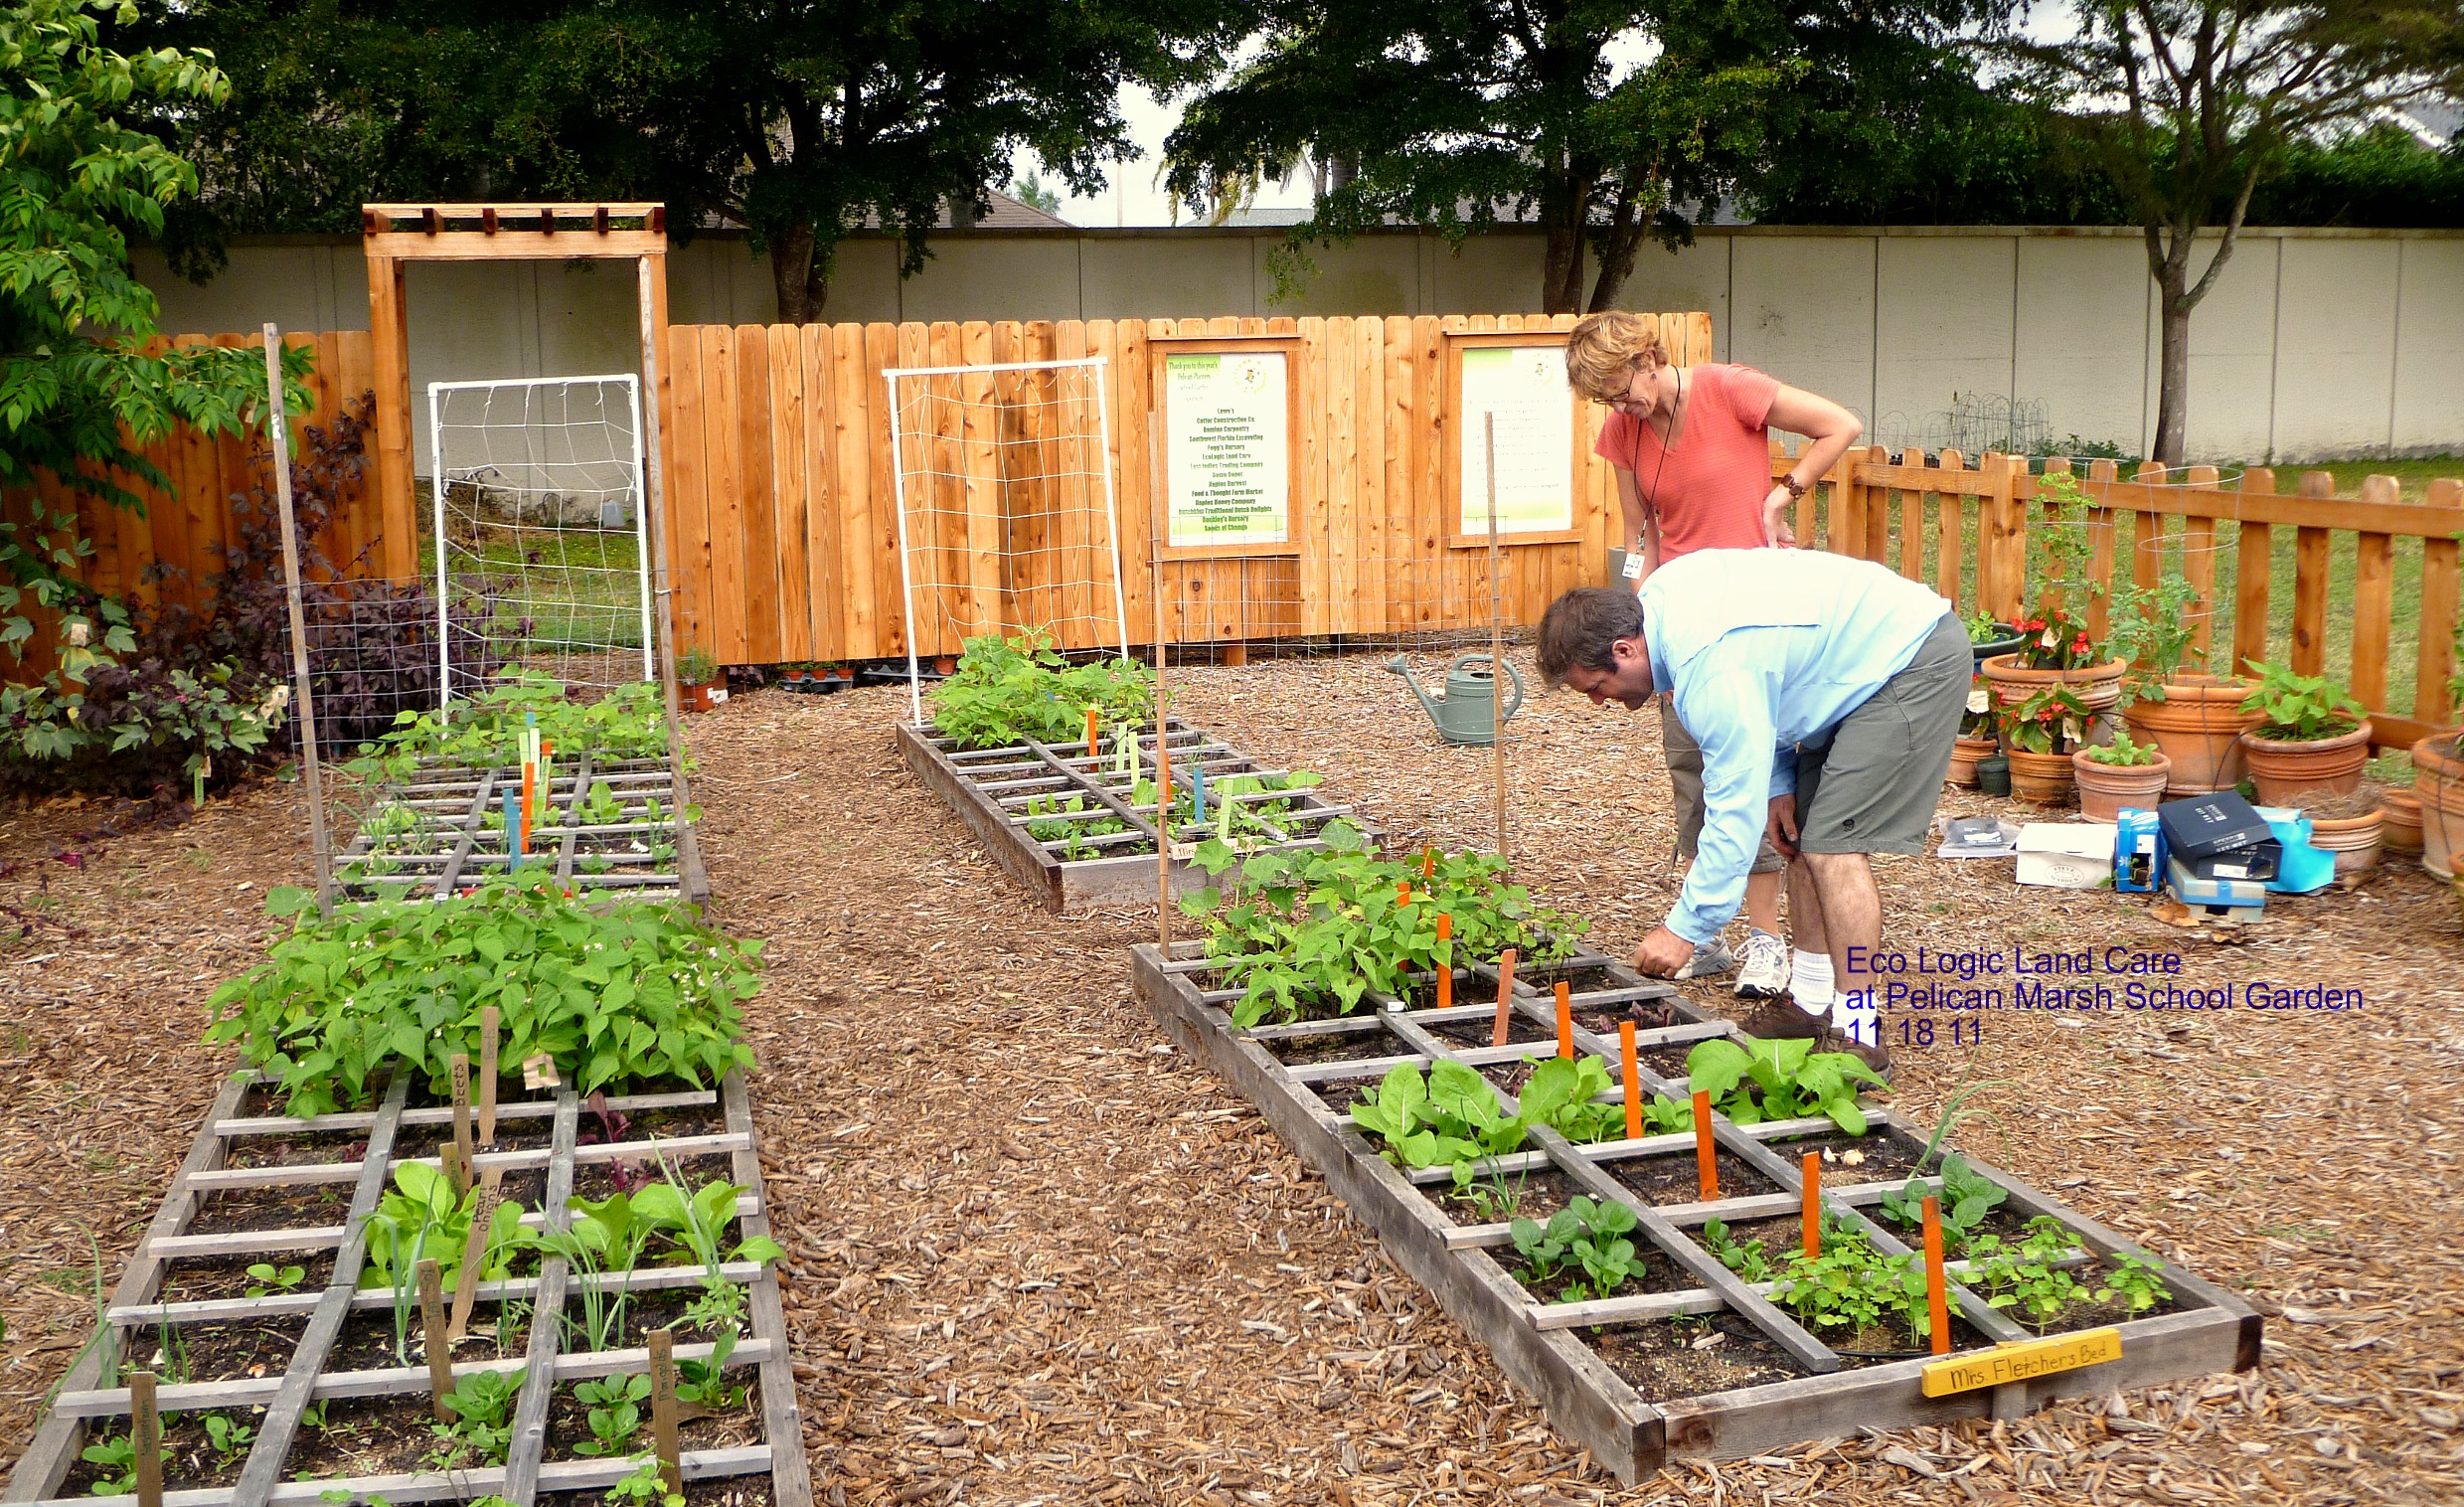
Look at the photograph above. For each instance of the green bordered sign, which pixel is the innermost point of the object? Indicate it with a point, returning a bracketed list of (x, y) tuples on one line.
[(2023, 1360)]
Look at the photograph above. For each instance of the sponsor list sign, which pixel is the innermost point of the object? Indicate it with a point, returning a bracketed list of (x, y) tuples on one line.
[(1226, 449), (1524, 387)]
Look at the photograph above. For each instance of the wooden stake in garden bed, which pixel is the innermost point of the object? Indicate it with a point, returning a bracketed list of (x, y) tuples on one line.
[(1497, 644), (1505, 996), (490, 1028), (277, 435), (1445, 969), (463, 1148), (474, 1255), (663, 1408), (439, 1353), (145, 1435)]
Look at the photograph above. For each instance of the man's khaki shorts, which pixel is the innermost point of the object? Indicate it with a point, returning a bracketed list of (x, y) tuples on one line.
[(1874, 787)]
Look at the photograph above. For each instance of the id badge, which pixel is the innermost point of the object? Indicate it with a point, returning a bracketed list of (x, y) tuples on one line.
[(1634, 567)]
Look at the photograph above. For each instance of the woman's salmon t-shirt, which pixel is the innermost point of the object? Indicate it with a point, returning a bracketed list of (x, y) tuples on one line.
[(1709, 489)]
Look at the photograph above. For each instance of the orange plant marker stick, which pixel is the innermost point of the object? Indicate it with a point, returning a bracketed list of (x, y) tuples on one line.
[(1633, 1083), (1937, 1301), (1403, 893), (1093, 750), (1706, 1151), (1813, 1205), (1429, 862), (1445, 970), (1505, 996), (1566, 1022)]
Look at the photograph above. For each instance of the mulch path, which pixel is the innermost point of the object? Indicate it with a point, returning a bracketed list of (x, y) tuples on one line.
[(1032, 1253)]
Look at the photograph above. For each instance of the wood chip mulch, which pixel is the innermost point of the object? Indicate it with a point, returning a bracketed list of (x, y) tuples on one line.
[(1035, 1257)]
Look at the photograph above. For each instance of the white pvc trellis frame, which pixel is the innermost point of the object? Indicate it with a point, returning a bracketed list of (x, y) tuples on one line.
[(630, 386), (897, 473)]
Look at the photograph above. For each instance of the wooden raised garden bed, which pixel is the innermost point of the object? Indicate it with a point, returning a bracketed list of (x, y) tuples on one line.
[(1696, 1361), (443, 828), (1097, 847), (310, 1367)]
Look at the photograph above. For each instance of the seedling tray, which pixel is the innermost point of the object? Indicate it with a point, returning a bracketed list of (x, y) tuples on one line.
[(1587, 1363), (443, 829), (991, 789), (544, 1153)]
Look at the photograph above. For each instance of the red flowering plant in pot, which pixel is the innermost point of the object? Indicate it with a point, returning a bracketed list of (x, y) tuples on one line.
[(2060, 649), (2041, 734)]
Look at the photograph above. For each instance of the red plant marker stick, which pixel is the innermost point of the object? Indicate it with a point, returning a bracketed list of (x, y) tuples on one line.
[(1445, 970), (1813, 1205), (1093, 750), (529, 770), (1937, 1304), (1633, 1083), (1505, 996), (1706, 1151), (1566, 1022)]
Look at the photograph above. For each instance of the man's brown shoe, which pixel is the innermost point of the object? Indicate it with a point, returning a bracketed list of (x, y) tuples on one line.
[(1875, 1056), (1781, 1020)]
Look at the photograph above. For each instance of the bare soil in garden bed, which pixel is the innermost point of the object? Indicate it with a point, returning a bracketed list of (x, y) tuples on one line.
[(1670, 1177), (367, 1339), (1347, 1046), (235, 1210), (1850, 1159), (228, 1351), (190, 1462), (569, 1422), (1101, 1227), (720, 1492), (368, 1435), (318, 1149), (195, 1278)]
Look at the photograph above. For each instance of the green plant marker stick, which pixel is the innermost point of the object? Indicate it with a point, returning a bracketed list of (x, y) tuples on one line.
[(663, 1408), (432, 1328), (145, 1433), (1224, 819), (474, 1255)]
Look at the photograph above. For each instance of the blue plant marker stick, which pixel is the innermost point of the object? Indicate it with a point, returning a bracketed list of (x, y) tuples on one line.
[(513, 829), (1196, 794)]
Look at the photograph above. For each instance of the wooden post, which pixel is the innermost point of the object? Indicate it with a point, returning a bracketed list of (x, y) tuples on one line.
[(1565, 1021), (1505, 996), (650, 295), (145, 1436), (1633, 1082), (1812, 1178), (2310, 583), (1497, 641), (663, 1408), (278, 440), (490, 1029), (1706, 1151), (1937, 1302), (1163, 755), (439, 1351), (474, 1255), (388, 340), (1446, 967), (462, 1146)]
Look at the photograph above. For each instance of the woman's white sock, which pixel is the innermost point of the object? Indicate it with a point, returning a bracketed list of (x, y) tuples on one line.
[(1810, 982)]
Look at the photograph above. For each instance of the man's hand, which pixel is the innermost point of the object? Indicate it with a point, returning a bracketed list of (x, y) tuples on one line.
[(1781, 825), (1661, 953), (1775, 529)]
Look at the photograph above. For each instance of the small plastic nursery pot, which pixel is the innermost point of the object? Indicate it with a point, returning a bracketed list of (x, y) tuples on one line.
[(2284, 769), (2007, 639), (2105, 789), (2045, 780), (2199, 727), (2099, 685), (2438, 782), (1993, 775)]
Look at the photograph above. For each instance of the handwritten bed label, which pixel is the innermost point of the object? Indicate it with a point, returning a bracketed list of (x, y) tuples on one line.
[(2023, 1360), (540, 1072), (1182, 852)]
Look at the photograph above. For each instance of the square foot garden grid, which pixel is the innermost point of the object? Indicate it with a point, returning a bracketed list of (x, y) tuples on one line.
[(612, 825), (1621, 1376), (1099, 848), (294, 1195)]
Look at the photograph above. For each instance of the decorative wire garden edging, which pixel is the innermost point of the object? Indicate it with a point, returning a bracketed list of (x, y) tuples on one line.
[(1564, 1353), (305, 1380), (443, 828), (997, 791)]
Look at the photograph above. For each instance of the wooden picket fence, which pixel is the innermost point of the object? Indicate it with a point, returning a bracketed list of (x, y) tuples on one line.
[(1961, 525)]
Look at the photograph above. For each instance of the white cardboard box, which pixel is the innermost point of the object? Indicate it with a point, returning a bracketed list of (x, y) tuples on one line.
[(2067, 855)]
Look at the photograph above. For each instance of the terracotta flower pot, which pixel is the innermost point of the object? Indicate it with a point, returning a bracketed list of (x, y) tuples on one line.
[(2402, 831), (2198, 726), (695, 696), (1964, 755), (2353, 839), (2099, 686), (2105, 789), (2283, 771), (2438, 780), (2043, 779)]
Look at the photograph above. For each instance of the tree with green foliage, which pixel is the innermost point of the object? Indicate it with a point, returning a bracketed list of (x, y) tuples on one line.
[(2189, 105), (1468, 113), (799, 121), (79, 392)]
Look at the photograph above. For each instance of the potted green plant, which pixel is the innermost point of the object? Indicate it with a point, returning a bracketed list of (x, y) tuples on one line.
[(2060, 650), (698, 681), (2193, 719), (2123, 772), (1988, 638), (2313, 736), (2438, 782), (2040, 734)]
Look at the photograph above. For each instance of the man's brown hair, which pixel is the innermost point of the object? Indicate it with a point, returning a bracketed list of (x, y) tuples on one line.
[(1601, 352), (1580, 628)]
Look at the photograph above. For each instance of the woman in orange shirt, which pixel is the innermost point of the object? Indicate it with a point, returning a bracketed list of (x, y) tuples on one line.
[(1693, 453)]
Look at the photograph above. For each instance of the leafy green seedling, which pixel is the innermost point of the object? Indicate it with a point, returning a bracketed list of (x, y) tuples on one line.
[(643, 1487), (1794, 1082), (479, 1401), (1966, 1198), (118, 1457), (229, 1438), (2135, 1284), (615, 1413), (268, 1279), (1745, 1261), (703, 1383)]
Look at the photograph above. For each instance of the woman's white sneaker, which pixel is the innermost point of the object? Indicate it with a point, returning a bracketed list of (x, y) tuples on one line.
[(1763, 972)]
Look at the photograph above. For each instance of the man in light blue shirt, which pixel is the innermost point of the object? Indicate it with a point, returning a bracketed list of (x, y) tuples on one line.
[(1825, 693)]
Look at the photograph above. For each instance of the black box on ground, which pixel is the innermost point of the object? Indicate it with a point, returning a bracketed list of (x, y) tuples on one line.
[(2219, 836)]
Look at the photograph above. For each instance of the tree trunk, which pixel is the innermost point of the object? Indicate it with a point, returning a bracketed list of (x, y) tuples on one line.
[(798, 279), (2173, 400), (1560, 275)]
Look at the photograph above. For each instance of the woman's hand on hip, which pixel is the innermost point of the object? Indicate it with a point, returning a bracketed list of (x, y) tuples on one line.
[(1775, 529)]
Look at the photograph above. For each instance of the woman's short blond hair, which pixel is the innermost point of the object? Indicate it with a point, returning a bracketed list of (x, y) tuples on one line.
[(1601, 352)]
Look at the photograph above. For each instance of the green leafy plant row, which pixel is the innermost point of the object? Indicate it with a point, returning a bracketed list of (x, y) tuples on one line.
[(1319, 929), (1007, 690), (1453, 1119), (613, 994), (485, 729), (1779, 1079)]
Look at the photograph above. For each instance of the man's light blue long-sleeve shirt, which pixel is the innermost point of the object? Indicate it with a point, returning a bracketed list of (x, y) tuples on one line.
[(1763, 650)]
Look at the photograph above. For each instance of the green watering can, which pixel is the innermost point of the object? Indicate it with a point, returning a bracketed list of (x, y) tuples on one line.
[(1463, 714)]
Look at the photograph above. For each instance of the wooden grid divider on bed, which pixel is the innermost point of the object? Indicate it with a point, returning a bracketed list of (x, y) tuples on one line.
[(443, 828), (309, 1380), (998, 792), (1556, 1350)]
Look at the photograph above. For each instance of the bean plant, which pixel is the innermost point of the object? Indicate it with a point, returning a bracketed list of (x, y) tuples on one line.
[(1779, 1080), (485, 730), (1452, 1118), (1008, 690)]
